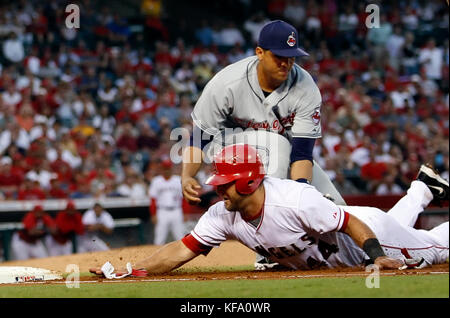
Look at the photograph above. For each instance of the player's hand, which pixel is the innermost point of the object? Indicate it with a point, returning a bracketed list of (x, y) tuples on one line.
[(385, 262), (191, 190), (154, 219)]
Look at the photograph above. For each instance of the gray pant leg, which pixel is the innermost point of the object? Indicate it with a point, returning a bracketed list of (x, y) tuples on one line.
[(323, 183)]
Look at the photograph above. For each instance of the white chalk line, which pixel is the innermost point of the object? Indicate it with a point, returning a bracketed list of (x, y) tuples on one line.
[(131, 280)]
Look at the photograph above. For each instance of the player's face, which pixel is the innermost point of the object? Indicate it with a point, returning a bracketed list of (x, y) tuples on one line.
[(98, 210), (229, 195), (275, 67)]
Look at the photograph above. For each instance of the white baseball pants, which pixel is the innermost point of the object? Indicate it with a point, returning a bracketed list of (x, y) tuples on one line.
[(168, 221), (23, 250), (395, 232)]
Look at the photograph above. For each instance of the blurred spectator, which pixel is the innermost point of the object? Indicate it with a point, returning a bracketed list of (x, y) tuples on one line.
[(373, 172), (402, 98), (361, 155), (69, 225), (13, 50), (394, 44), (204, 33), (31, 190), (27, 243), (100, 178), (11, 97), (294, 12), (410, 19), (388, 186), (107, 93), (409, 54), (57, 190), (104, 121), (343, 185), (313, 25), (230, 35), (167, 111), (10, 178), (256, 22), (347, 24), (132, 187), (97, 221), (119, 30), (379, 36), (126, 139), (431, 58), (147, 139), (81, 189), (125, 114), (41, 173)]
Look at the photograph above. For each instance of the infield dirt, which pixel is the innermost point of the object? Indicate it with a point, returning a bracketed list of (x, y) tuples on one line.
[(230, 254)]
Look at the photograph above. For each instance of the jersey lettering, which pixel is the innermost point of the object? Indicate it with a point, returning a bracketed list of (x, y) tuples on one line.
[(327, 249), (280, 252), (286, 121), (311, 239), (314, 264)]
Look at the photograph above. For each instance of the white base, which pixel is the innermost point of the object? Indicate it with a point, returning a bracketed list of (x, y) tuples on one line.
[(21, 274)]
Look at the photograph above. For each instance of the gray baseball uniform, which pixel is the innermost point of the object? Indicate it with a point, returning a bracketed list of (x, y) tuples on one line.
[(233, 98)]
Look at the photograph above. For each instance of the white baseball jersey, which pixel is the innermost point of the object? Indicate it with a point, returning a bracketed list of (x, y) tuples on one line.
[(299, 228), (90, 218), (90, 241), (233, 98), (168, 193)]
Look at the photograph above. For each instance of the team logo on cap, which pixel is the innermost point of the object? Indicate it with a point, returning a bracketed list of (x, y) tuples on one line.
[(291, 39)]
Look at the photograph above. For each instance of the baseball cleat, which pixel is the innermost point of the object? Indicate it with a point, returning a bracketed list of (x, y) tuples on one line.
[(437, 185)]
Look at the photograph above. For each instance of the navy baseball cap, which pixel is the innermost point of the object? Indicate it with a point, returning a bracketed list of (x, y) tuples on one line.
[(281, 39)]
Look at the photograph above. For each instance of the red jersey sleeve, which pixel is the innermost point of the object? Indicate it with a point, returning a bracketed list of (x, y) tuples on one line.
[(195, 246), (152, 207), (79, 228), (48, 221), (344, 224), (29, 221)]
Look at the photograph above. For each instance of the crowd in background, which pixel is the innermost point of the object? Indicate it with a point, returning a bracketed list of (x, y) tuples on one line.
[(88, 112)]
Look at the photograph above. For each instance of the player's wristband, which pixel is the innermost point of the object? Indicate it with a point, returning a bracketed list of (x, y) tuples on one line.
[(373, 248), (303, 180)]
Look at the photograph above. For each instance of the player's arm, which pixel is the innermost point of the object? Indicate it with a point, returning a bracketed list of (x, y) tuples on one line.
[(302, 159), (192, 162), (321, 215), (105, 229), (175, 254), (364, 237), (167, 258)]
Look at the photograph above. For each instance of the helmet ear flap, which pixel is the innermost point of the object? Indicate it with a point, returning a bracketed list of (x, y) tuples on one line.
[(247, 185)]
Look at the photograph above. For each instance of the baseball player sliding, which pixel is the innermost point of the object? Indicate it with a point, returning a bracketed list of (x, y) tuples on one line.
[(266, 92), (295, 225)]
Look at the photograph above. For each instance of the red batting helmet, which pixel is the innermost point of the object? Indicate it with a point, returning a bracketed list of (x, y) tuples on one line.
[(240, 163)]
